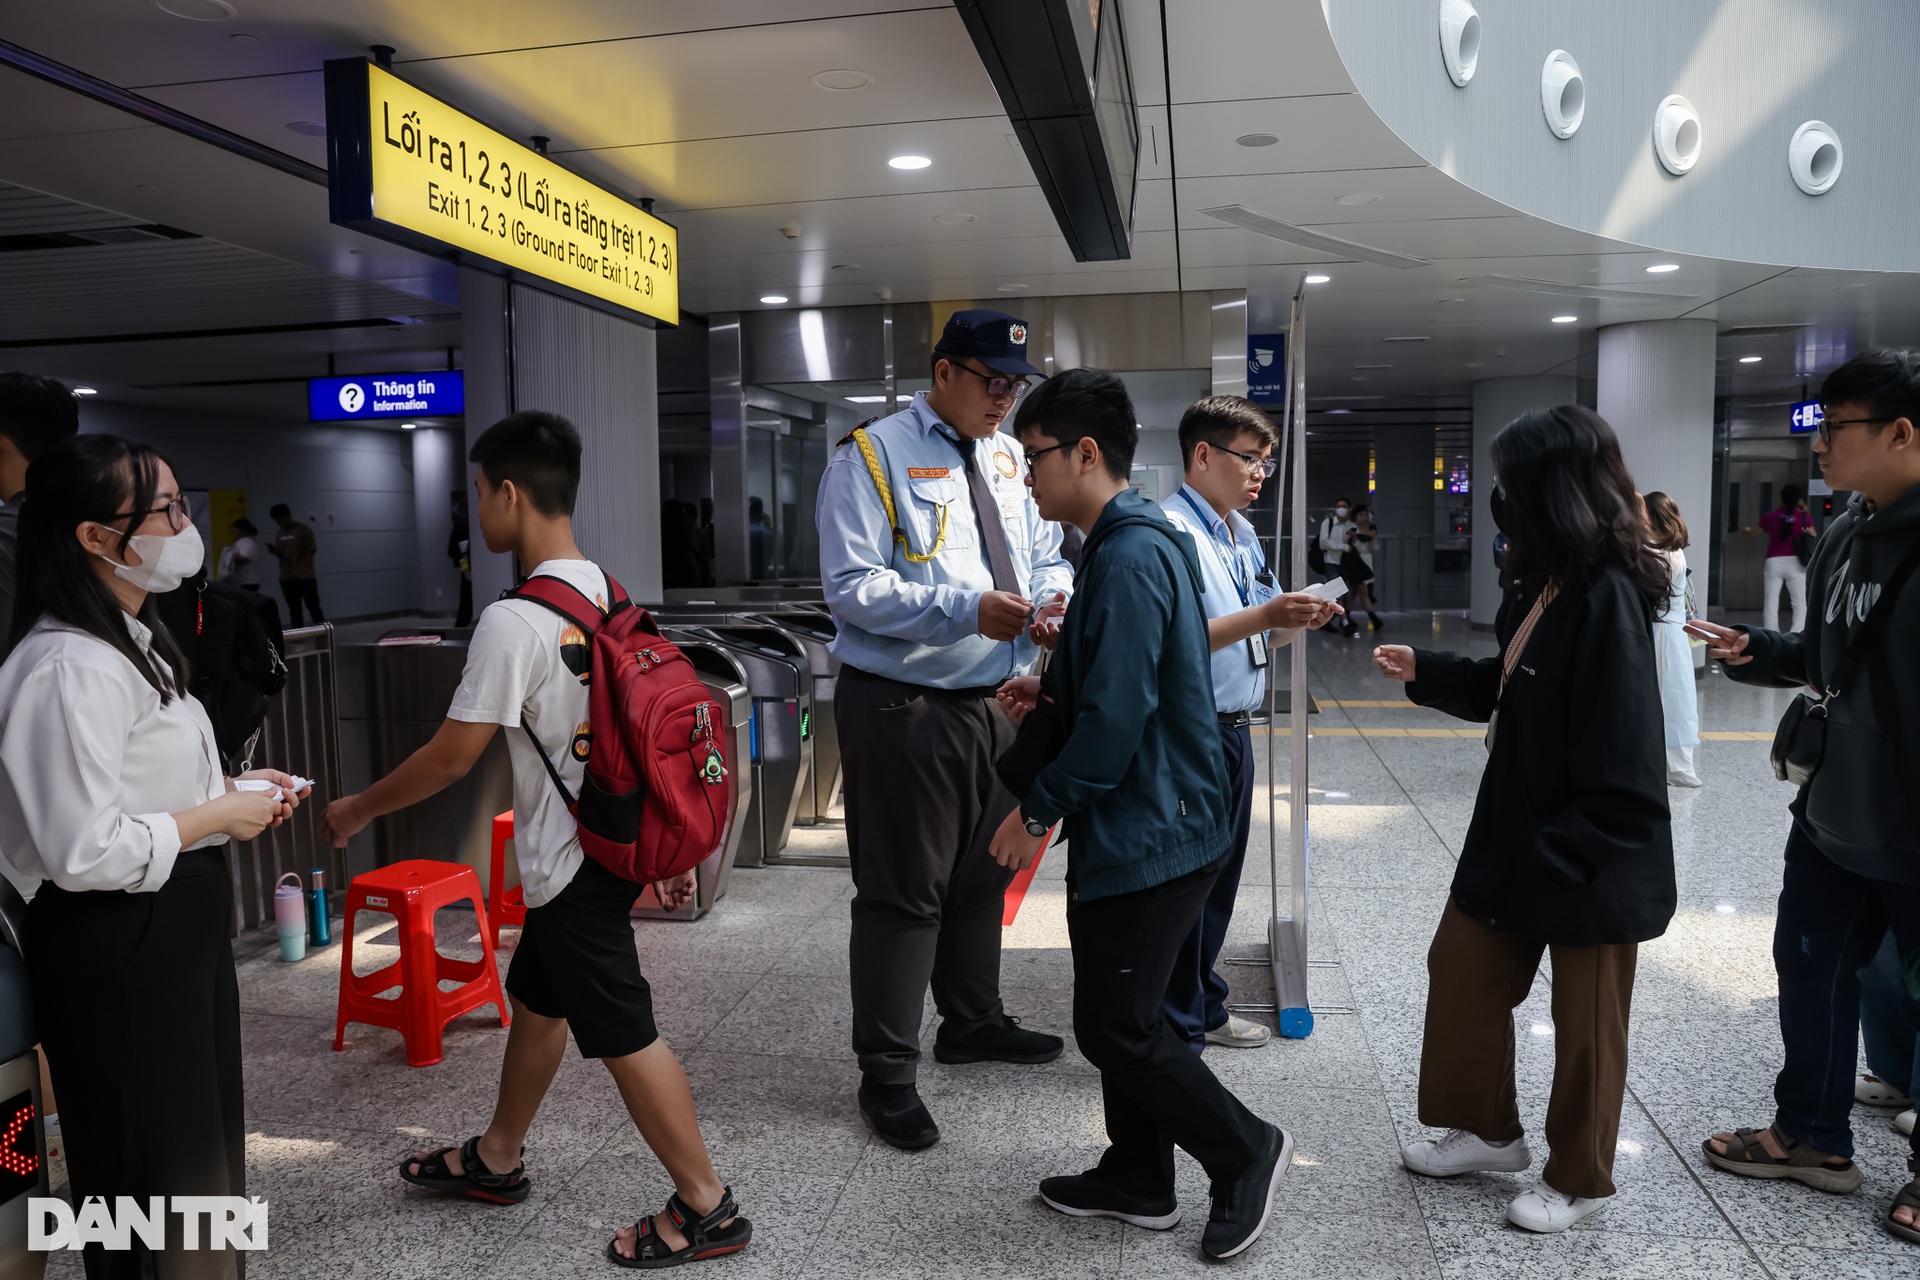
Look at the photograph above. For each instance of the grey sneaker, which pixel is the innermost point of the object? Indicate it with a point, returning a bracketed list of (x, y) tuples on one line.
[(1238, 1033)]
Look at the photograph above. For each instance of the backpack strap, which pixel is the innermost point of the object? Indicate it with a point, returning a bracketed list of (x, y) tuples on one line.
[(572, 604)]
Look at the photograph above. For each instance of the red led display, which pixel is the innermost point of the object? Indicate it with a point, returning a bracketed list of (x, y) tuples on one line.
[(19, 1147)]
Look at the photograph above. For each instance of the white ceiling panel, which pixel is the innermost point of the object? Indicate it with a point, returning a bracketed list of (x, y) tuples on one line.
[(1312, 199), (1323, 133), (1231, 49)]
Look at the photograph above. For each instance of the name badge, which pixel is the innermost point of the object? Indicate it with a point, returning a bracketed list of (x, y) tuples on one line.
[(1257, 650), (927, 473)]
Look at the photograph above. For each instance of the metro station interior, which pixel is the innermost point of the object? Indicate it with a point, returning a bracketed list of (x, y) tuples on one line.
[(1395, 226)]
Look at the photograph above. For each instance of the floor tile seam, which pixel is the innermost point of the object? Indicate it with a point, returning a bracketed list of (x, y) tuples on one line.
[(716, 1023), (1694, 1174), (1407, 795)]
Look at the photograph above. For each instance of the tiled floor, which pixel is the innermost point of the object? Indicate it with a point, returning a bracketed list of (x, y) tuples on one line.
[(754, 998)]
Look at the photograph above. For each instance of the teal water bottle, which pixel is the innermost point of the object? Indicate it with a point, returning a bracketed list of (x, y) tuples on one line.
[(319, 928)]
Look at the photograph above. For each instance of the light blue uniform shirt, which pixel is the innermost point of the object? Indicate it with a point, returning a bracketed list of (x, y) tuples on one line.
[(1230, 566), (919, 622)]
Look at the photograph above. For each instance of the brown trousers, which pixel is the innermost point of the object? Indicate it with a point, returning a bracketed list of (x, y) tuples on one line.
[(1477, 977)]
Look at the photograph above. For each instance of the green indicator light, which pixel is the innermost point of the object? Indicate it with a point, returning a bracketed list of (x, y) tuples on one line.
[(806, 725)]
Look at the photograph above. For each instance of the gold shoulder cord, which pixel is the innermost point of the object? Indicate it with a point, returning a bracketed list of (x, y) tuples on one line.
[(886, 500)]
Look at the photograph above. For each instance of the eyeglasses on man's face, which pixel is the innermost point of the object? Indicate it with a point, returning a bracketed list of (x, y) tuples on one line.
[(1034, 455), (1828, 424), (998, 385), (1262, 467)]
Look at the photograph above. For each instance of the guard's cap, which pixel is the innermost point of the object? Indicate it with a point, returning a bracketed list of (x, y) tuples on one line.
[(994, 338)]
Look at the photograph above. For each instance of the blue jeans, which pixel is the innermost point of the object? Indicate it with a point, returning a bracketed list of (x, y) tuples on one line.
[(1830, 924), (1889, 1032), (1196, 1000)]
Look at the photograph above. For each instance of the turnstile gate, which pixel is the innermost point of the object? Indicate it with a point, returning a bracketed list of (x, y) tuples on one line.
[(727, 682)]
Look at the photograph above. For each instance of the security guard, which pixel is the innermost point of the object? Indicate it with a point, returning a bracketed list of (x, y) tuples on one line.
[(942, 578)]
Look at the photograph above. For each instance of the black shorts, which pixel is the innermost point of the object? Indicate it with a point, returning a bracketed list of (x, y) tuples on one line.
[(576, 960)]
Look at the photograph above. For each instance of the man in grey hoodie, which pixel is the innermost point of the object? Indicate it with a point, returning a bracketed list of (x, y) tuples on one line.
[(1853, 858)]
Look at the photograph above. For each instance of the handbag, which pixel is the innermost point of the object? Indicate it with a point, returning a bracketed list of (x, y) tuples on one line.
[(1800, 743), (1803, 546)]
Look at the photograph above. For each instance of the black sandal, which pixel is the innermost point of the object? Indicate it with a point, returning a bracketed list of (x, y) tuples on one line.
[(474, 1181), (1908, 1197), (706, 1238)]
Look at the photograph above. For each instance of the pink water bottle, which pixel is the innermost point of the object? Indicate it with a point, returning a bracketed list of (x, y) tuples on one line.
[(290, 916)]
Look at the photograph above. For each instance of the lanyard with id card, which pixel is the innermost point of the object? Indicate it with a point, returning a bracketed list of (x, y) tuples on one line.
[(1236, 573)]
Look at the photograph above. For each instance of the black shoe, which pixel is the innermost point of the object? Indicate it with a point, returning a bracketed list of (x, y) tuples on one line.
[(1084, 1195), (1374, 620), (1241, 1207), (1009, 1042), (898, 1116)]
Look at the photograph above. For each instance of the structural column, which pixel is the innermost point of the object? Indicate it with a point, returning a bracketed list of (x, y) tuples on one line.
[(1496, 402), (439, 475), (1656, 389), (1402, 508)]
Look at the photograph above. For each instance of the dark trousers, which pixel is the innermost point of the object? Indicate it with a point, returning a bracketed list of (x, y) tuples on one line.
[(299, 591), (139, 1013), (1196, 995), (1830, 923), (1157, 1091), (1476, 977), (922, 803), (1888, 1032)]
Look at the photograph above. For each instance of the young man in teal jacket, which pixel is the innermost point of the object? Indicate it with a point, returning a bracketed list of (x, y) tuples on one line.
[(1141, 783)]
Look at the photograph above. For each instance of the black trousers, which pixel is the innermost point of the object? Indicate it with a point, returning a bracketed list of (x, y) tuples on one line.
[(922, 803), (1197, 994), (300, 591), (1159, 1094), (139, 1014)]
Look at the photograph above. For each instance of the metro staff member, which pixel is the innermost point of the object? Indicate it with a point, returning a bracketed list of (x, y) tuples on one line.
[(932, 555), (113, 805)]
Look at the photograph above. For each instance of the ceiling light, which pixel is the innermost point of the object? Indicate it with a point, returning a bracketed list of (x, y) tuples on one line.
[(196, 10), (408, 426), (1012, 286), (1409, 338), (866, 399), (955, 219), (1253, 220), (1318, 279), (1661, 268), (1339, 411), (1749, 359), (1565, 319), (1256, 139), (841, 80), (1357, 197), (910, 162), (1373, 366), (85, 391), (307, 128), (773, 299)]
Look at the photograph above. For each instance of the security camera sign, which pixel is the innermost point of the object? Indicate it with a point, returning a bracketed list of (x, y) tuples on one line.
[(387, 395)]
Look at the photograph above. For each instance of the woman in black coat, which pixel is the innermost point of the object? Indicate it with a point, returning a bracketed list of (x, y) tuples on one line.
[(1571, 849)]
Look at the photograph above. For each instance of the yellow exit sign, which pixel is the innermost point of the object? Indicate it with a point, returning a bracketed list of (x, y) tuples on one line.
[(407, 167)]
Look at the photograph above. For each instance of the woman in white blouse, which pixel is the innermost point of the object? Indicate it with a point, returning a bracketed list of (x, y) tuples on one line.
[(113, 800)]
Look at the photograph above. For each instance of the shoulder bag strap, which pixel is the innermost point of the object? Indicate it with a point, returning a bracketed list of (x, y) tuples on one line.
[(1876, 622), (572, 604)]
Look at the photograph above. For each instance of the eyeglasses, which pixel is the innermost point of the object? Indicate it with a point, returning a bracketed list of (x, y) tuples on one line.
[(1828, 424), (1262, 467), (1034, 455), (998, 385), (177, 517)]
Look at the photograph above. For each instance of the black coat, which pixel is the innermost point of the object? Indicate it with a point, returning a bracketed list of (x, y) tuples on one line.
[(1571, 841)]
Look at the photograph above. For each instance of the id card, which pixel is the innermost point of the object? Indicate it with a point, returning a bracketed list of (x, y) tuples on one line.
[(1257, 650)]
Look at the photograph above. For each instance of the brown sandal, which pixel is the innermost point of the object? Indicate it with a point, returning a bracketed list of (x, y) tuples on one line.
[(1748, 1157), (1909, 1197)]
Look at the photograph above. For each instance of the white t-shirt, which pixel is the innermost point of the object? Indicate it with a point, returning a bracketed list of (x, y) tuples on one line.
[(248, 574), (528, 665)]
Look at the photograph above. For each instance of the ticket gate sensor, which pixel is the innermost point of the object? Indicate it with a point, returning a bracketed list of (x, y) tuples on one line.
[(727, 683)]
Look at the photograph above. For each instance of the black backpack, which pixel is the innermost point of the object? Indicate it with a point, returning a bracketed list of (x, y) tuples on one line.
[(232, 640)]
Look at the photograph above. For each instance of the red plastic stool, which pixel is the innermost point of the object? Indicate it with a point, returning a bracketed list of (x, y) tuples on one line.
[(411, 892), (504, 906)]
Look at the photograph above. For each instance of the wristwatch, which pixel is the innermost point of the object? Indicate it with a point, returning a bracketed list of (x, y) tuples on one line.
[(1034, 826)]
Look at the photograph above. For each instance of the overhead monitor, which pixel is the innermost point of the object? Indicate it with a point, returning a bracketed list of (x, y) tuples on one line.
[(405, 166)]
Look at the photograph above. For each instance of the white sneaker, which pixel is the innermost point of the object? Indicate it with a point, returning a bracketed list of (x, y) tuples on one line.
[(1545, 1210), (1902, 1122), (1463, 1152), (1238, 1033), (1681, 778)]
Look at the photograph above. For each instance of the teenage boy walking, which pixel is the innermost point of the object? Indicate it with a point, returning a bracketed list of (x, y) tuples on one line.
[(1226, 442), (1853, 857), (1142, 784), (576, 966)]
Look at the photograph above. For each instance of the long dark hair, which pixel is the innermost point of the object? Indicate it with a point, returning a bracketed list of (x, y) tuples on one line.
[(1570, 506), (1665, 523), (94, 478)]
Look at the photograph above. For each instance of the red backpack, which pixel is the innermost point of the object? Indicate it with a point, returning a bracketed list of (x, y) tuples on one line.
[(654, 803)]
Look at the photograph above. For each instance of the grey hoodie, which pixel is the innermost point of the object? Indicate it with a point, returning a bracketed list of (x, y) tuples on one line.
[(1854, 558)]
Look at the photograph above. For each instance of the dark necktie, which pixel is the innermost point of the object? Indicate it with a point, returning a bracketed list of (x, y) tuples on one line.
[(993, 534)]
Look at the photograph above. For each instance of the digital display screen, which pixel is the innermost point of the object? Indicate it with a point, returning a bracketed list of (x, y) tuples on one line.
[(19, 1147)]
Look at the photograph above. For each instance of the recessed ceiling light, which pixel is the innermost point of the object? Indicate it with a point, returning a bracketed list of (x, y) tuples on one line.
[(773, 299), (1661, 268), (1408, 338), (196, 10), (1339, 411), (308, 128), (841, 80), (866, 399), (1256, 139), (910, 162), (1749, 359), (1565, 319), (244, 40), (954, 219), (85, 391), (1357, 197), (1318, 279), (408, 426), (1012, 286)]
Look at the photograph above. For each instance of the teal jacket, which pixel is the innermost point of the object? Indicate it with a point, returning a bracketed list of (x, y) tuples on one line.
[(1141, 780)]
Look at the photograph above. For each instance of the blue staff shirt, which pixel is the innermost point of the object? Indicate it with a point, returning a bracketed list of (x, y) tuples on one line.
[(1230, 564)]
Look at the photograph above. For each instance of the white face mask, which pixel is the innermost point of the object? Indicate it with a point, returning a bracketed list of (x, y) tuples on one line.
[(1342, 512), (165, 561)]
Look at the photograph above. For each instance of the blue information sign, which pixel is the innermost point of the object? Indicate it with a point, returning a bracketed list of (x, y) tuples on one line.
[(387, 395), (1267, 368), (1807, 416)]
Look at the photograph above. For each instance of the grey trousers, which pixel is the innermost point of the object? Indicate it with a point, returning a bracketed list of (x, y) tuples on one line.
[(922, 804)]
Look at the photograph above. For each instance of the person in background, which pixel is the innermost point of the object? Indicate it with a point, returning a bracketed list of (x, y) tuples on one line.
[(1784, 568), (36, 414), (679, 546), (1890, 1038), (1673, 650), (460, 554), (242, 567), (113, 803), (759, 539), (1227, 443), (1852, 871), (1364, 542), (1335, 538), (1141, 784), (293, 547), (1571, 847)]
